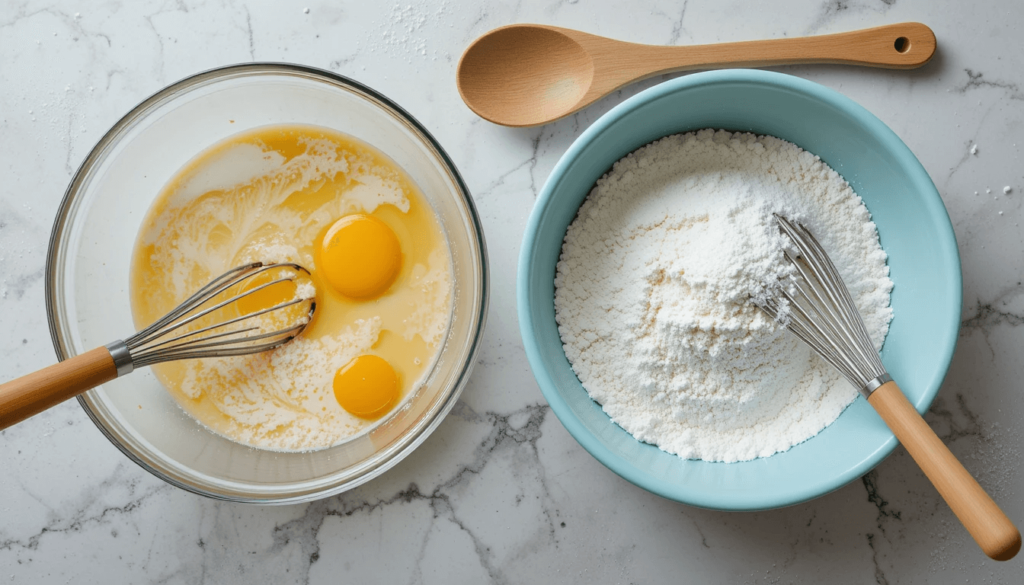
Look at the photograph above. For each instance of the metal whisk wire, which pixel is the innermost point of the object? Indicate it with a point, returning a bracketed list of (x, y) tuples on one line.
[(166, 340), (170, 338), (817, 307)]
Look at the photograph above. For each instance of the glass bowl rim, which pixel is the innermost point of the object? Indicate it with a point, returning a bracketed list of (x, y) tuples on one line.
[(65, 217)]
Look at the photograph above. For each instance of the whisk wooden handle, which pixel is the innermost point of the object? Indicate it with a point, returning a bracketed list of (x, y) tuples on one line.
[(991, 529), (33, 393)]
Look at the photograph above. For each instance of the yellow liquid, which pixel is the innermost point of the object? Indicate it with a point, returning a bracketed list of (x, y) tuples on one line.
[(269, 195)]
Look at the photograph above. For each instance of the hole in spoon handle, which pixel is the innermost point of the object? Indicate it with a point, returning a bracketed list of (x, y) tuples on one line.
[(898, 46)]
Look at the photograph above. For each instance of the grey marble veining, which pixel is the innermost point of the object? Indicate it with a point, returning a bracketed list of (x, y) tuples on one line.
[(500, 493)]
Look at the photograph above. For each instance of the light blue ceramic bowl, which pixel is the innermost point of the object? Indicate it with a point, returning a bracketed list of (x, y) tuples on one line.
[(913, 226)]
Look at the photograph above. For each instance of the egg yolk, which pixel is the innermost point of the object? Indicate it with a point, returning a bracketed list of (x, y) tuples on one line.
[(265, 298), (367, 386), (360, 256)]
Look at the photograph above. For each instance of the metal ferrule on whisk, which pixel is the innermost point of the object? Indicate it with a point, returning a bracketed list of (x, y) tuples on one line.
[(874, 384), (122, 357)]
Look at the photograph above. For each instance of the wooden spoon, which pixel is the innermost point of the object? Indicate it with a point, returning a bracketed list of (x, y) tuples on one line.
[(531, 74)]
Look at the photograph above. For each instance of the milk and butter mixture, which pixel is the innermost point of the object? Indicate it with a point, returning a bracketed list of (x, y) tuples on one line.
[(378, 258), (653, 288)]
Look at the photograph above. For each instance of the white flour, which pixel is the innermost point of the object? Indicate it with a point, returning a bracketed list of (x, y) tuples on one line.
[(652, 289)]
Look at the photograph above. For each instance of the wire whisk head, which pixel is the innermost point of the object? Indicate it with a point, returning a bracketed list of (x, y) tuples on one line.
[(817, 307), (248, 309)]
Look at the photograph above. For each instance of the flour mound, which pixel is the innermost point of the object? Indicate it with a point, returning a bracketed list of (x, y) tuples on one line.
[(653, 285)]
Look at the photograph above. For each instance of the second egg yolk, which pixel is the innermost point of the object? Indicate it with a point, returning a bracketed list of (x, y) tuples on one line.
[(367, 386), (360, 256)]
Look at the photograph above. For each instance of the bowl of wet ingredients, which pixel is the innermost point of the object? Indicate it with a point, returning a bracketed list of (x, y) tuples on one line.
[(274, 163), (647, 243)]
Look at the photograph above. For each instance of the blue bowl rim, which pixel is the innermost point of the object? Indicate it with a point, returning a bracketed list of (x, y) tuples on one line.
[(733, 502)]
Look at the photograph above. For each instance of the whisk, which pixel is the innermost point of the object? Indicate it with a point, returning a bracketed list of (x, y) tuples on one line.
[(183, 333), (816, 306)]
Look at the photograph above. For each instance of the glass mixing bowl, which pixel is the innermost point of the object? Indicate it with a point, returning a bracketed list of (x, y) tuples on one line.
[(87, 275)]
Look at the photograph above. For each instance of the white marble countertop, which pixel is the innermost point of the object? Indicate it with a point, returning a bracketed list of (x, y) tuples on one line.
[(500, 492)]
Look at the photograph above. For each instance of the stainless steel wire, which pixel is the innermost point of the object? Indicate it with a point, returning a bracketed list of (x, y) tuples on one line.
[(170, 339), (817, 307)]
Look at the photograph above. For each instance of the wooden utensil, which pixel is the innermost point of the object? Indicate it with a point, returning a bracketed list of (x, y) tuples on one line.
[(980, 515), (817, 307), (531, 74), (209, 323)]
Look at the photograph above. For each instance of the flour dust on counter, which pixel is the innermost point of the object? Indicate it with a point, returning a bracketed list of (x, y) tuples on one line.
[(653, 285)]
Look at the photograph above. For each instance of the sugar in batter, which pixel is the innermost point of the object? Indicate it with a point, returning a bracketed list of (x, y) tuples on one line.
[(378, 258)]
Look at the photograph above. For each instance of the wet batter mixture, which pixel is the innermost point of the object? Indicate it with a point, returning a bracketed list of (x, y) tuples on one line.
[(378, 258)]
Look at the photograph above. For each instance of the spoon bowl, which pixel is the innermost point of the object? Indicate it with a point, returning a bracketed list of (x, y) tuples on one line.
[(532, 74), (548, 64)]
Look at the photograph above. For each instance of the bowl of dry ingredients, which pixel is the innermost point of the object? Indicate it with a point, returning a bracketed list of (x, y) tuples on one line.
[(274, 163), (648, 240)]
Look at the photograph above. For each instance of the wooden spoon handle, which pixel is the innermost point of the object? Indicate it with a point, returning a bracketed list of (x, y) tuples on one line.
[(895, 46), (35, 392), (991, 529)]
